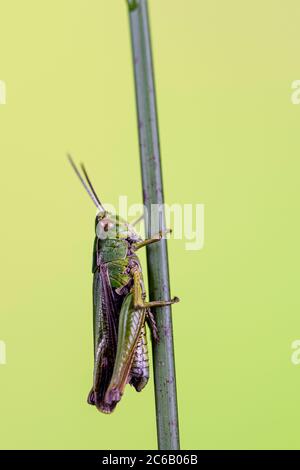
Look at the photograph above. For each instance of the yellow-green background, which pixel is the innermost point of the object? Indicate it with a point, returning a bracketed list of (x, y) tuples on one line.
[(230, 140)]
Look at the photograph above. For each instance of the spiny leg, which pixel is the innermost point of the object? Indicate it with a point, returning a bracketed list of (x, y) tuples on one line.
[(152, 325)]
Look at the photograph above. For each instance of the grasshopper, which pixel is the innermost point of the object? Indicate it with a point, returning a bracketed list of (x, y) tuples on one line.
[(120, 310)]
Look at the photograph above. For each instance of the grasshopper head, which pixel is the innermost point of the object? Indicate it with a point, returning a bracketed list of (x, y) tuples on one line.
[(104, 225), (107, 225), (114, 227)]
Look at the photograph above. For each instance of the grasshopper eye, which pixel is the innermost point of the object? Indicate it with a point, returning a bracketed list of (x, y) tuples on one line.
[(100, 231), (103, 227)]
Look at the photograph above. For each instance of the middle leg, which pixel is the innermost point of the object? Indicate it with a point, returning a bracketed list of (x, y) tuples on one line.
[(139, 297)]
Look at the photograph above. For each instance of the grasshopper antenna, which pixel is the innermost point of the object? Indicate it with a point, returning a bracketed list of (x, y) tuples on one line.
[(90, 185), (89, 190)]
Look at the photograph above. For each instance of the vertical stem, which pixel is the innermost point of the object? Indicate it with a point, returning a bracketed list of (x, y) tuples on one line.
[(157, 256)]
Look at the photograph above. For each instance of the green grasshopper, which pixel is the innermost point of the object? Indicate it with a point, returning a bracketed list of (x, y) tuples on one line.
[(120, 310)]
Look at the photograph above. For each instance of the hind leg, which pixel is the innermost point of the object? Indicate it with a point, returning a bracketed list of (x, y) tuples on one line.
[(131, 322), (151, 322)]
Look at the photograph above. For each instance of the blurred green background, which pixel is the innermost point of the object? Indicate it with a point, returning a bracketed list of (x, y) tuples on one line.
[(230, 140)]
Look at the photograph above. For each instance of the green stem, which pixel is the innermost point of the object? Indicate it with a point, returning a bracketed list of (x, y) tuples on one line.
[(157, 256)]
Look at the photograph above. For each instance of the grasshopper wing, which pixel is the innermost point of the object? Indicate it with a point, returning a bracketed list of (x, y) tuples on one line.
[(131, 322), (105, 338)]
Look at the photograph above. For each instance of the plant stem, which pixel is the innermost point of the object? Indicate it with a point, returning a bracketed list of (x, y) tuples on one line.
[(157, 256)]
